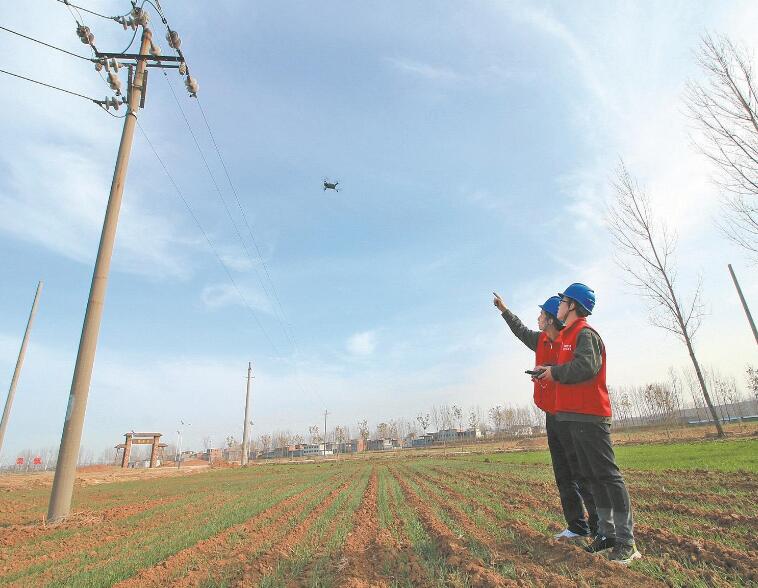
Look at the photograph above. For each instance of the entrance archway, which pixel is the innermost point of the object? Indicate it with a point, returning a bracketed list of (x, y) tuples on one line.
[(140, 439)]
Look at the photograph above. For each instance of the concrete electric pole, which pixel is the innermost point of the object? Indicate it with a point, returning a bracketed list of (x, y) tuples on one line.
[(742, 299), (246, 429), (65, 471), (19, 364), (326, 412)]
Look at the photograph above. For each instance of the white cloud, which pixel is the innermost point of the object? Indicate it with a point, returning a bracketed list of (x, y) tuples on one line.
[(424, 70), (215, 296), (362, 344)]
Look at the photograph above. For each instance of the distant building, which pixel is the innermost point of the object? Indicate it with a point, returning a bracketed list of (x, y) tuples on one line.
[(453, 435), (211, 455), (383, 444)]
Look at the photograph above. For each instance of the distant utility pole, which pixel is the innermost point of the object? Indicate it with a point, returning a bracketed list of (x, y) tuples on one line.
[(246, 429), (19, 364), (65, 471), (326, 412), (742, 299)]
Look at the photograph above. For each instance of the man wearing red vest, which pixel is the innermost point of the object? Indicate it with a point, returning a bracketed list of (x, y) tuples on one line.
[(573, 490), (581, 401)]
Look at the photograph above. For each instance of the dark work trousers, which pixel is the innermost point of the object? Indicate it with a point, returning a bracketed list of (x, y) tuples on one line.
[(597, 461), (573, 489)]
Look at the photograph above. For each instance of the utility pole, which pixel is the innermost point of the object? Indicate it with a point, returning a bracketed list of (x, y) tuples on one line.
[(65, 471), (326, 412), (178, 449), (742, 299), (19, 364), (246, 429)]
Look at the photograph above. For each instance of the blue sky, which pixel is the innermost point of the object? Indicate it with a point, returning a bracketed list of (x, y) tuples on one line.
[(474, 144)]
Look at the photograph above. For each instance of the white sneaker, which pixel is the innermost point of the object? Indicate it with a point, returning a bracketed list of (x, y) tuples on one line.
[(566, 534)]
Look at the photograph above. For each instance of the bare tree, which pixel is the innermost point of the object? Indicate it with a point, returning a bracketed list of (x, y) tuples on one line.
[(436, 420), (423, 420), (646, 249), (314, 433), (340, 436), (752, 382), (363, 431), (281, 439), (497, 417), (458, 415), (726, 110), (473, 419), (265, 442)]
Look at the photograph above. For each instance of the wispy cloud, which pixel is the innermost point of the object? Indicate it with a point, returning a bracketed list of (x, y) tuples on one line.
[(424, 70), (215, 296), (362, 344)]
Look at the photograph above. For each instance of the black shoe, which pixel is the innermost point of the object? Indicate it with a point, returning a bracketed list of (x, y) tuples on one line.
[(601, 543)]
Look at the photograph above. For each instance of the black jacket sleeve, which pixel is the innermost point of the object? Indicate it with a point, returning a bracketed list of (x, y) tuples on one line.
[(527, 336), (588, 360)]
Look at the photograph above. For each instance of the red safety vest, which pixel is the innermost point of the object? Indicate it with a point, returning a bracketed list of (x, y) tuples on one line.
[(546, 354), (590, 396)]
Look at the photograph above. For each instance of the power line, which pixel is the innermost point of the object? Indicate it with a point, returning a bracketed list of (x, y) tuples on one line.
[(207, 238), (69, 4), (221, 196), (247, 224), (98, 102), (279, 313), (49, 86), (46, 44)]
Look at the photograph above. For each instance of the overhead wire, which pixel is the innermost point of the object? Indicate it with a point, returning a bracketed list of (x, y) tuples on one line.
[(218, 190), (273, 295), (289, 333), (45, 44), (278, 308), (207, 238), (48, 85), (70, 4)]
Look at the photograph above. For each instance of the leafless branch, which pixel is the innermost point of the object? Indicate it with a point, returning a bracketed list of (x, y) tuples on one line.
[(725, 108), (645, 250)]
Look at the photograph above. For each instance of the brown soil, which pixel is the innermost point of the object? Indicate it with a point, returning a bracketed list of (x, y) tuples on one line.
[(196, 559), (533, 554), (451, 546), (370, 550), (671, 546), (259, 567)]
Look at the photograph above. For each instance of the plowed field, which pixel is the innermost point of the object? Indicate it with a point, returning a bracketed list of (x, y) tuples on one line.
[(469, 520)]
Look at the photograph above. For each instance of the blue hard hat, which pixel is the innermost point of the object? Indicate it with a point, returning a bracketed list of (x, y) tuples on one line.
[(551, 306), (583, 294)]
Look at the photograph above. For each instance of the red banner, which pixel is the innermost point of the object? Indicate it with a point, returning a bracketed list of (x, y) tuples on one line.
[(19, 461), (37, 460)]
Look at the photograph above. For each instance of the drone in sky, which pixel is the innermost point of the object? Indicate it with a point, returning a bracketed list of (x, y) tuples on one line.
[(329, 185)]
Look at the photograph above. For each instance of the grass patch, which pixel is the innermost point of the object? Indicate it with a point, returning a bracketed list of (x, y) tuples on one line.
[(725, 456)]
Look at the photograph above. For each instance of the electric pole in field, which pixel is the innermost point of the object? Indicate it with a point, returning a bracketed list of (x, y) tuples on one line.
[(326, 412), (19, 364), (65, 471), (246, 429), (742, 299)]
